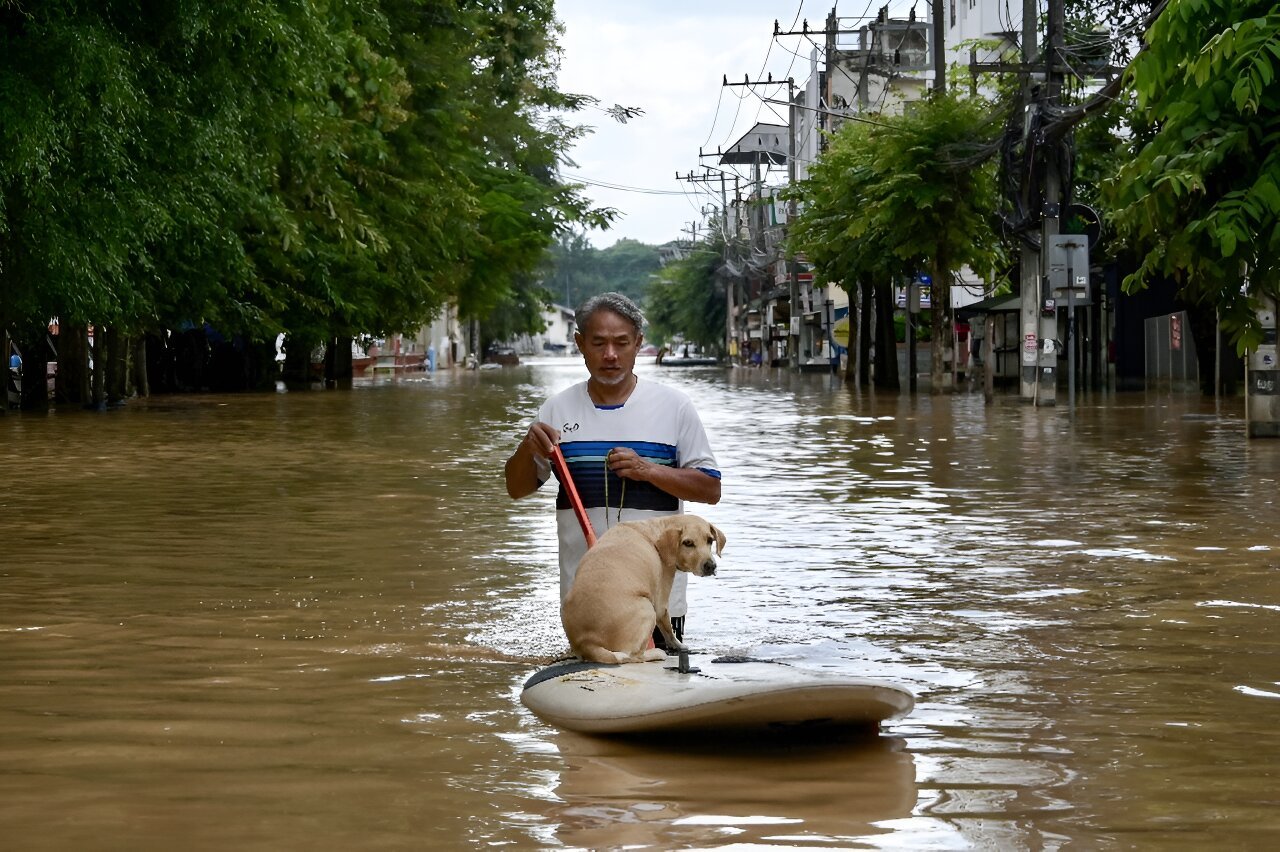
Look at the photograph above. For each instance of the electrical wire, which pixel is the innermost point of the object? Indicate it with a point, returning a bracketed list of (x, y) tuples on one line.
[(764, 64), (620, 187)]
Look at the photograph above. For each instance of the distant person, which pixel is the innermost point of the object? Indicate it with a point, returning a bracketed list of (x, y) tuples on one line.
[(15, 362), (636, 448), (431, 358)]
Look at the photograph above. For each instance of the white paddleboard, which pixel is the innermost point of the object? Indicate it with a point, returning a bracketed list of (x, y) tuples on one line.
[(724, 694)]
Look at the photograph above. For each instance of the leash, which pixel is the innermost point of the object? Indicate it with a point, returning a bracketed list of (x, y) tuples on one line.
[(621, 497)]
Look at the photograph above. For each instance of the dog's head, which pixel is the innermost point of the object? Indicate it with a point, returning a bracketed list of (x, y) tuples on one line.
[(687, 543)]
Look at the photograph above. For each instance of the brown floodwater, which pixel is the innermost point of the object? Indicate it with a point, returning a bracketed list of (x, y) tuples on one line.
[(302, 620)]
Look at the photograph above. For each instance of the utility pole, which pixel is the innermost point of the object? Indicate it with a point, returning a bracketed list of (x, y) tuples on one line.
[(796, 319), (798, 337), (1047, 391), (1029, 257), (724, 230), (803, 339), (938, 47), (710, 179)]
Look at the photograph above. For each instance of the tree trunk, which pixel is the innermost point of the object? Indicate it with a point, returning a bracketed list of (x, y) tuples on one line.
[(989, 360), (866, 338), (34, 347), (10, 380), (940, 327), (72, 382), (141, 382), (98, 397), (1203, 320), (159, 355), (851, 351), (297, 363), (338, 366), (886, 376), (116, 363)]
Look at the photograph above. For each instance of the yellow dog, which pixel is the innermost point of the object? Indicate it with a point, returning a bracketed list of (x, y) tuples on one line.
[(623, 583)]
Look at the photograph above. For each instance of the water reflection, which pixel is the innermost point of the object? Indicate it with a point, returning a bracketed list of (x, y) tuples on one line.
[(615, 793)]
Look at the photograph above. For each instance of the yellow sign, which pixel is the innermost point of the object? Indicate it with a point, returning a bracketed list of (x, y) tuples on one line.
[(840, 332)]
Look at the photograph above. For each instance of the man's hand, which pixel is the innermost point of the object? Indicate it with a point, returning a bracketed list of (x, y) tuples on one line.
[(541, 440), (685, 483), (522, 467), (627, 464)]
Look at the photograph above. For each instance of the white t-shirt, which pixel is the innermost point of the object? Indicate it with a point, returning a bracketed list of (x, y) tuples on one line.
[(660, 424)]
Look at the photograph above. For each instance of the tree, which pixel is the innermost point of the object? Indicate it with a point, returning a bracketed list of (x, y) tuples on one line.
[(572, 269), (576, 270), (628, 266), (898, 194), (1199, 198), (317, 169), (687, 299)]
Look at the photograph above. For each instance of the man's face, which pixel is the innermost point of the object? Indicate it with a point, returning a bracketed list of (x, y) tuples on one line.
[(609, 344)]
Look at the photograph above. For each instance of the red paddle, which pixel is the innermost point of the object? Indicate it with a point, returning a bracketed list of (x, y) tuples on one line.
[(566, 479)]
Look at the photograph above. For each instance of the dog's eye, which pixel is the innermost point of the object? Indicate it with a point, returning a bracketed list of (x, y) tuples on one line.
[(688, 542)]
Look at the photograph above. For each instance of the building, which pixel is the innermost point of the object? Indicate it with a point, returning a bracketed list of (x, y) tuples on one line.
[(557, 339)]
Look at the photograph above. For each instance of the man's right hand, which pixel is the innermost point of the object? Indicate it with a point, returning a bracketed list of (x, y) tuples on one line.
[(541, 439), (522, 467)]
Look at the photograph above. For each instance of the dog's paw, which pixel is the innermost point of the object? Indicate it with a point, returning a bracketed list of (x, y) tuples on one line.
[(653, 654)]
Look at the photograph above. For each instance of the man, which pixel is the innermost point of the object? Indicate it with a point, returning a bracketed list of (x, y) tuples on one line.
[(636, 449)]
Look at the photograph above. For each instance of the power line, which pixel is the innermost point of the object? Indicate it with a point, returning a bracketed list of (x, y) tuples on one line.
[(621, 187)]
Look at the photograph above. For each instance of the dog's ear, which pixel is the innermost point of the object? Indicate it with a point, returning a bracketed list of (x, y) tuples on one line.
[(668, 544), (720, 539)]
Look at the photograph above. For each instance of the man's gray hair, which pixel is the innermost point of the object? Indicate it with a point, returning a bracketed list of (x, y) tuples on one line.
[(616, 302)]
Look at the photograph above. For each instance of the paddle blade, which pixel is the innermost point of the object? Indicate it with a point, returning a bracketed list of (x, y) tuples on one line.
[(579, 511)]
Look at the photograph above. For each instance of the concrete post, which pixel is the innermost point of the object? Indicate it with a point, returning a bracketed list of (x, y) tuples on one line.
[(1262, 378)]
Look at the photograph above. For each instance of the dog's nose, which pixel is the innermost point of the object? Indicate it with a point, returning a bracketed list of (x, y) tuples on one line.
[(708, 569)]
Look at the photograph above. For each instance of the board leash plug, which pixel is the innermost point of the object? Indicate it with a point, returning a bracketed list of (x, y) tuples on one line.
[(683, 665)]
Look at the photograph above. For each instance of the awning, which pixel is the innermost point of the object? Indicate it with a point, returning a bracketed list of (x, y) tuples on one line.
[(764, 143), (992, 305)]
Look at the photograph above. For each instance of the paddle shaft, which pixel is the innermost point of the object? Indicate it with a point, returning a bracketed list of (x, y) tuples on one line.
[(566, 479)]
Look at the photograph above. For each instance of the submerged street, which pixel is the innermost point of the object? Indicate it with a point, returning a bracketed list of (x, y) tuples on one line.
[(303, 620)]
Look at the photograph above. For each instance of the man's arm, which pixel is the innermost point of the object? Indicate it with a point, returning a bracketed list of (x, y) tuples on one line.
[(522, 467), (684, 483)]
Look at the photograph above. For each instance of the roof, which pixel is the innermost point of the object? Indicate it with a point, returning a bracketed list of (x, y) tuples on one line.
[(764, 143), (993, 305)]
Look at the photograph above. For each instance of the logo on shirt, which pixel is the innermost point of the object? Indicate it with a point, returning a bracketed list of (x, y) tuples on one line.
[(569, 427)]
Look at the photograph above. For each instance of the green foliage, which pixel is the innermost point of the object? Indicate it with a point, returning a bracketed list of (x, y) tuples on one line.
[(320, 169), (573, 269), (903, 194), (577, 270), (1100, 150), (1199, 197), (520, 311), (687, 300), (887, 198)]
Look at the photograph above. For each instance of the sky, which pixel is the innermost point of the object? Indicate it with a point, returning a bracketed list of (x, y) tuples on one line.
[(670, 59)]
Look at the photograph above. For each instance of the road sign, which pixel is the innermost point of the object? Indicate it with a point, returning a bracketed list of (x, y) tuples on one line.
[(1069, 268)]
